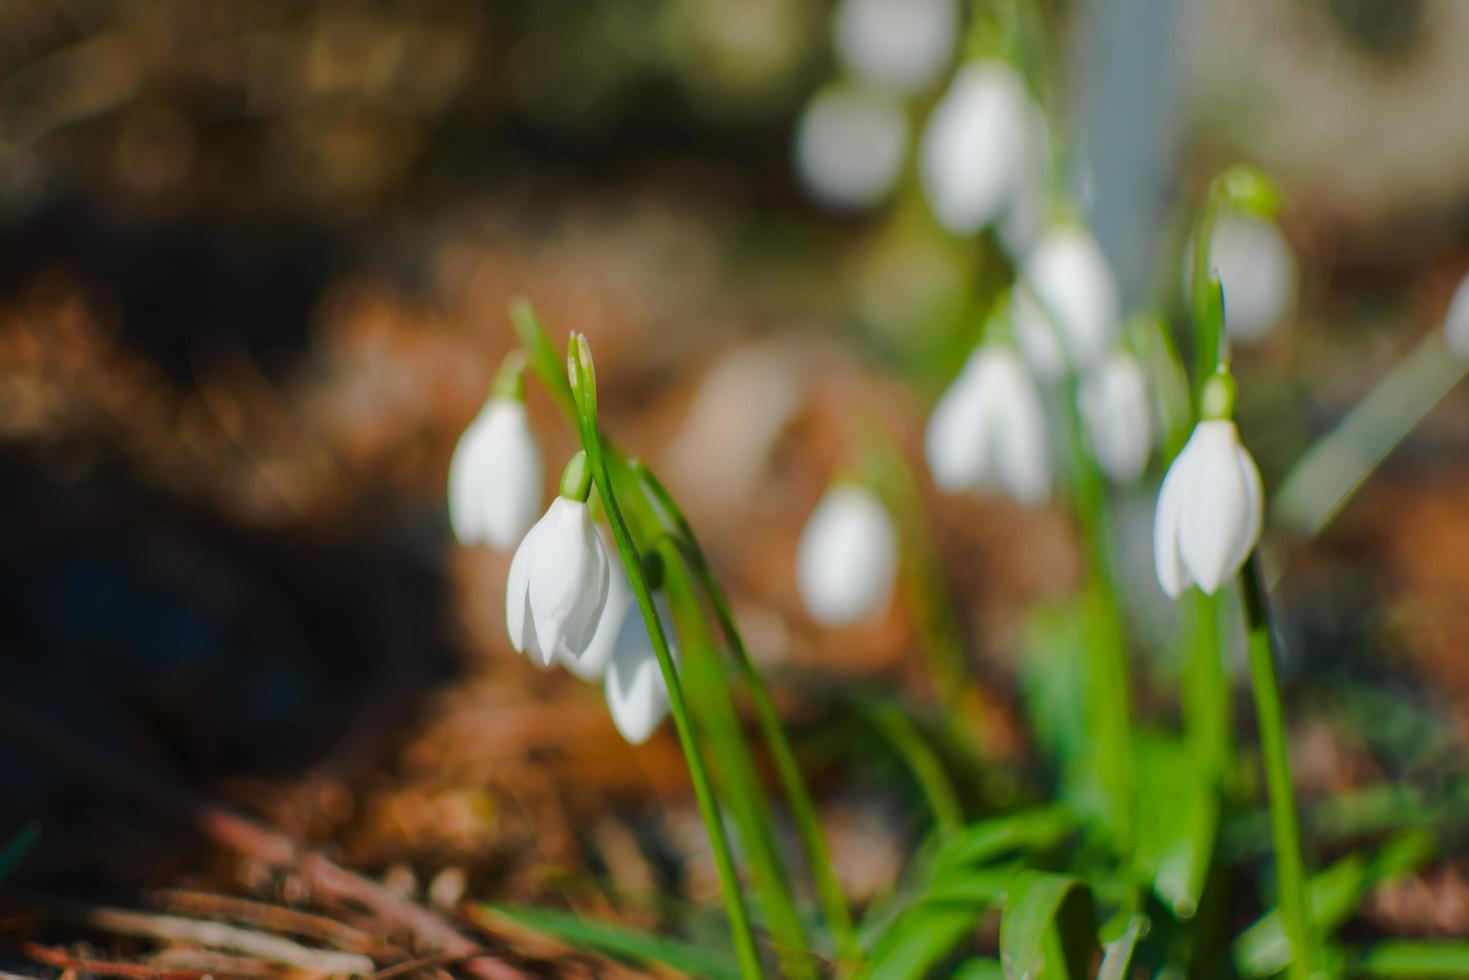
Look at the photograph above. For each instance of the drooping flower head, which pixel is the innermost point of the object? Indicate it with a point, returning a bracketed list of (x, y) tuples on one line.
[(637, 692), (976, 147), (495, 475), (559, 576), (1117, 416), (899, 46), (1211, 507), (988, 430), (849, 147), (847, 557), (1257, 269), (1066, 303), (591, 664)]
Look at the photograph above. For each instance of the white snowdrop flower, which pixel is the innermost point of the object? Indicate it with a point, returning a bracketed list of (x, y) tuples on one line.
[(847, 558), (1210, 511), (495, 477), (559, 576), (1066, 304), (591, 664), (1117, 416), (1456, 322), (900, 46), (988, 430), (1257, 270), (975, 147), (637, 694), (849, 148), (1024, 219)]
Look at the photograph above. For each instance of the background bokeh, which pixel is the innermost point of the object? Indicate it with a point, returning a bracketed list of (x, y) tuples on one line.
[(255, 259)]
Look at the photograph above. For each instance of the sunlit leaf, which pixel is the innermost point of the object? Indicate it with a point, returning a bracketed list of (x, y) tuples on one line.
[(1039, 902)]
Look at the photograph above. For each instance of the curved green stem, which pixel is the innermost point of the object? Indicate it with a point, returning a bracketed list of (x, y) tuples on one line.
[(1285, 823), (803, 808), (583, 381)]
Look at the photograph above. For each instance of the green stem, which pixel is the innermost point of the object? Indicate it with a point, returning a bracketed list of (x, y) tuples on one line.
[(1285, 824), (803, 809), (1206, 688), (583, 382), (1207, 326)]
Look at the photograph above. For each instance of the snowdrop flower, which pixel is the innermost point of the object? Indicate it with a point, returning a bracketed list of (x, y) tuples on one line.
[(900, 46), (637, 694), (1211, 508), (559, 576), (591, 665), (989, 429), (1066, 305), (975, 148), (1117, 417), (850, 144), (1456, 322), (495, 478), (847, 557), (1257, 270)]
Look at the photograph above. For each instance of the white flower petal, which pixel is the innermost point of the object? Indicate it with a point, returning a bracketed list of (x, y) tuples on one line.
[(495, 477), (898, 45), (1173, 576), (1255, 507), (849, 147), (954, 441), (567, 579), (1117, 418), (591, 665), (1018, 427), (637, 695), (1456, 322), (518, 621), (847, 558), (1066, 296), (1257, 270), (1216, 514), (975, 146)]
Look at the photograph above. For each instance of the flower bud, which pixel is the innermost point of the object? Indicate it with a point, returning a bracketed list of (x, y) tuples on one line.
[(495, 478), (848, 557), (1066, 304), (849, 147), (1210, 511), (558, 583), (899, 46), (975, 147), (1117, 417), (637, 694), (1257, 269), (989, 430)]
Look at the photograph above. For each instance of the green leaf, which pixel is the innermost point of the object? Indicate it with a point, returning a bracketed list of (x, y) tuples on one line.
[(978, 969), (1409, 959), (18, 847), (985, 840), (1263, 950), (1117, 955), (1177, 814), (1039, 903), (624, 942), (918, 941)]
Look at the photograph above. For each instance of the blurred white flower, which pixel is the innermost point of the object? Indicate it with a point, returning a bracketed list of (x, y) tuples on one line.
[(1210, 511), (848, 556), (975, 147), (1456, 322), (1066, 296), (1117, 416), (495, 478), (989, 430), (849, 148), (637, 694), (900, 46), (1257, 270), (558, 583), (1023, 220), (591, 664)]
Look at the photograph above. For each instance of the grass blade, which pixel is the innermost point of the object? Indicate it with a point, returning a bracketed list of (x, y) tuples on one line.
[(624, 942)]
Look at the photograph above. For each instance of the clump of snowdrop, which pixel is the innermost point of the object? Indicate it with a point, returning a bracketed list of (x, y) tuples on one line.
[(847, 558), (1066, 303), (976, 147), (1456, 322), (1257, 269), (558, 579), (900, 46), (637, 692), (1117, 417), (495, 475), (988, 430), (1211, 507), (850, 145)]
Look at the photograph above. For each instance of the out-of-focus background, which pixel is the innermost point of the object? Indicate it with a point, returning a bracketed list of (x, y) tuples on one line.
[(255, 259)]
